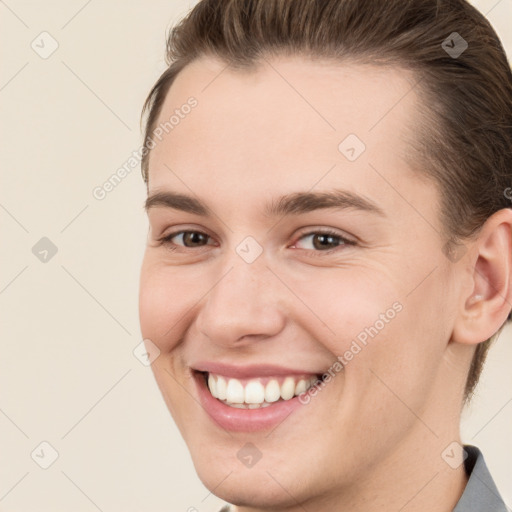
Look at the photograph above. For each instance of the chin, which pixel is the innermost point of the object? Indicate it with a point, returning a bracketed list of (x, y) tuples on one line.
[(247, 487)]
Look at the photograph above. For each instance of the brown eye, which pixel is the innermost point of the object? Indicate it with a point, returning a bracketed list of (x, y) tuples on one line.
[(188, 239), (322, 241)]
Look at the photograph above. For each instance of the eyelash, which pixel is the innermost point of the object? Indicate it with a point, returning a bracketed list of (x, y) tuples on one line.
[(166, 240)]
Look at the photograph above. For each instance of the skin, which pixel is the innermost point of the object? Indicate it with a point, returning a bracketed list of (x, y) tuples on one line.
[(372, 439)]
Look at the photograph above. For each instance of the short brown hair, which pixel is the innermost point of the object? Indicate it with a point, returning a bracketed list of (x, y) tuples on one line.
[(464, 142)]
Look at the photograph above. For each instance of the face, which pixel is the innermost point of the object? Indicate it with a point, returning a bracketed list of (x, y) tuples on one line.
[(305, 246)]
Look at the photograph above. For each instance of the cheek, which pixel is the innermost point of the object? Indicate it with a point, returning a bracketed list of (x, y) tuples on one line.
[(401, 361), (389, 339), (344, 307), (163, 305)]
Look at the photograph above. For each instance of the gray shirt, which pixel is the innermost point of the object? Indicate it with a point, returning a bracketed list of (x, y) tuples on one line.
[(480, 494)]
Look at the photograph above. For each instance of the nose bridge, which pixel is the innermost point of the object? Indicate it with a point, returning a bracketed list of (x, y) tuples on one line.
[(243, 301), (245, 273)]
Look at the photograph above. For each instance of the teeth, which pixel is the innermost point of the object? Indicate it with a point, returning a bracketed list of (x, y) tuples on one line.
[(254, 392), (255, 395), (288, 388), (272, 391), (238, 406), (235, 392), (300, 387), (247, 406), (221, 388), (212, 385)]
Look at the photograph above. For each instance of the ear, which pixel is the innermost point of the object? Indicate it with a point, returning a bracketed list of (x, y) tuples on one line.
[(484, 311)]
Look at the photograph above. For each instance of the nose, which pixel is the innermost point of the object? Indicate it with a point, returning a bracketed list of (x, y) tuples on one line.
[(243, 306)]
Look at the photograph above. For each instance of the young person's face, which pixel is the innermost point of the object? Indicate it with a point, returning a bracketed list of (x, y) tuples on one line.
[(213, 299)]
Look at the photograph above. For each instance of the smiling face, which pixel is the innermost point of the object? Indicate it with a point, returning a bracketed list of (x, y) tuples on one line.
[(299, 244)]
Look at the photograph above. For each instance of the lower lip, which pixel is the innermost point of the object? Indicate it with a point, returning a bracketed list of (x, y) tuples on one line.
[(244, 420)]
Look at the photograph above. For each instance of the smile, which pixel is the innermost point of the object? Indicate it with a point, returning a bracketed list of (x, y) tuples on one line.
[(257, 392), (251, 398)]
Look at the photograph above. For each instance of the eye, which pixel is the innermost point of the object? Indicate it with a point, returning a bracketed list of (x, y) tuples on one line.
[(318, 241), (324, 241), (188, 239)]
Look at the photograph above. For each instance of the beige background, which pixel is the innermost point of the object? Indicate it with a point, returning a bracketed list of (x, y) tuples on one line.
[(68, 375)]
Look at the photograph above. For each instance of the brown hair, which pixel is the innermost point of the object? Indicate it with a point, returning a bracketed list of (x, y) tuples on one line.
[(464, 142)]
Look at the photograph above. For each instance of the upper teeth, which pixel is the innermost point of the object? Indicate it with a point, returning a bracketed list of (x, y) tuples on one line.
[(254, 391)]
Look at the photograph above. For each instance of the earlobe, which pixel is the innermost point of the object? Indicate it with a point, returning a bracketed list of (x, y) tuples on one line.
[(486, 309)]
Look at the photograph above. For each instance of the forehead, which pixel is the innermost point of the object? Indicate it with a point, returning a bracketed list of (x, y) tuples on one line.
[(286, 122)]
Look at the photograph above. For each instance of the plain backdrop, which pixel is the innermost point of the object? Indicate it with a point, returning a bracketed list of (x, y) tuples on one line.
[(69, 324)]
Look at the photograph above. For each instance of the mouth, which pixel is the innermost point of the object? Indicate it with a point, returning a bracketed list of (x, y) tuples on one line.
[(253, 398), (257, 392)]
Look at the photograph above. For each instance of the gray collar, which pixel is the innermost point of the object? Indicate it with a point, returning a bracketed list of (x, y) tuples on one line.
[(480, 493)]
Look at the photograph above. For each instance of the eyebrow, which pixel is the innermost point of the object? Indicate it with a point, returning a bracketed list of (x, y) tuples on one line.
[(295, 203)]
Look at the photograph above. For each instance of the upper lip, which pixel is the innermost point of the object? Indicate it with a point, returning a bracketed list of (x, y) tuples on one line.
[(248, 371)]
